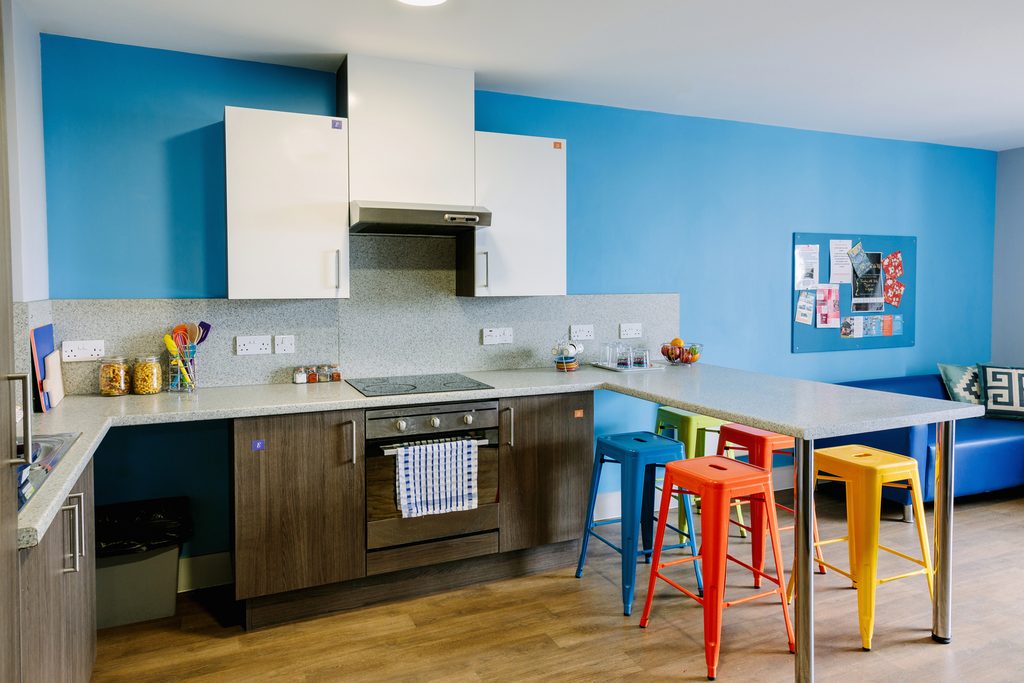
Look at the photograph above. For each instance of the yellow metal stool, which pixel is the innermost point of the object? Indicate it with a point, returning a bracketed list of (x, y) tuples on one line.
[(692, 429), (865, 471)]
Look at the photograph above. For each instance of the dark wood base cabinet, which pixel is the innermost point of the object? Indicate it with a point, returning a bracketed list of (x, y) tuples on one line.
[(301, 541), (58, 594)]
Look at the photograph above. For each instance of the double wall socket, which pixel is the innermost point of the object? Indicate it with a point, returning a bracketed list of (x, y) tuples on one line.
[(253, 345), (631, 330), (497, 335), (76, 351), (581, 332)]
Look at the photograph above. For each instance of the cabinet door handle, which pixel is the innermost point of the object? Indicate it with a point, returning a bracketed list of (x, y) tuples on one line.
[(487, 269), (76, 540), (337, 268), (354, 449), (26, 420), (511, 427), (81, 521)]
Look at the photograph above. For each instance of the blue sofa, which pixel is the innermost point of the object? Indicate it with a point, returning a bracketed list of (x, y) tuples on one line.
[(989, 452)]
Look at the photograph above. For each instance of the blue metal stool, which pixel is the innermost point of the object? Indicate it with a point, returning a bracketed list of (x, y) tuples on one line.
[(639, 453)]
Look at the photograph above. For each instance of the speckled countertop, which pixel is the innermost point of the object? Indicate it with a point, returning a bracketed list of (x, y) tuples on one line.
[(799, 408)]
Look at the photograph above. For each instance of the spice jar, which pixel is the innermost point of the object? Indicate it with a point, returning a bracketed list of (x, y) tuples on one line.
[(147, 376), (323, 374), (335, 373), (115, 376), (311, 376), (299, 375)]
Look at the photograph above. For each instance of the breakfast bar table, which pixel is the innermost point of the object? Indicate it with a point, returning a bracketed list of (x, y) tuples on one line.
[(808, 411)]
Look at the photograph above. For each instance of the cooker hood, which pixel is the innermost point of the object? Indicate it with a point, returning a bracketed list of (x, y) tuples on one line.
[(425, 220)]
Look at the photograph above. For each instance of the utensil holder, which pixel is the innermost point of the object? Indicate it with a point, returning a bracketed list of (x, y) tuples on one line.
[(182, 370)]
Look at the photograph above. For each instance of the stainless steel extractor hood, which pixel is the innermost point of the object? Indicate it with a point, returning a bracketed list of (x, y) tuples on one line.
[(425, 220)]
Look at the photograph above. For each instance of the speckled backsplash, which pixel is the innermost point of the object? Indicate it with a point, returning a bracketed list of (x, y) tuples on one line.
[(402, 318)]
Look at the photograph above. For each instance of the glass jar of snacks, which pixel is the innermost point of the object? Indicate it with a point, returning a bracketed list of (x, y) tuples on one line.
[(115, 376), (147, 375)]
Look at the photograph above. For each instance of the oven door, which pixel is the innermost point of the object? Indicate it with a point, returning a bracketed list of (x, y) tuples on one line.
[(394, 542)]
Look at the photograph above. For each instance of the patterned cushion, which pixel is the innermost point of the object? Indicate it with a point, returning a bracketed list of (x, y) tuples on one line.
[(1003, 389), (962, 382)]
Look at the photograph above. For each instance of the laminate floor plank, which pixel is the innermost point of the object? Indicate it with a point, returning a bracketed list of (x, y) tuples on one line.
[(552, 626)]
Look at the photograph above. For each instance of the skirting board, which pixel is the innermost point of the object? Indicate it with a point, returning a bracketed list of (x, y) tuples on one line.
[(608, 503), (204, 571)]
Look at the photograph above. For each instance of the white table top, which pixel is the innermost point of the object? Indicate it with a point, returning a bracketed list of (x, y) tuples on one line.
[(798, 408)]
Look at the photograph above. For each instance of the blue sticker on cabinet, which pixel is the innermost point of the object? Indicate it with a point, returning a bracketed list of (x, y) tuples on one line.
[(259, 445)]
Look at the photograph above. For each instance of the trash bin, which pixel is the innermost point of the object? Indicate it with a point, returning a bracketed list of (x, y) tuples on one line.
[(137, 547)]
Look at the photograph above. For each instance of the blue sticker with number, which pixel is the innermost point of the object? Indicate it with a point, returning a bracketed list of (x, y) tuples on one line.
[(259, 445), (336, 124)]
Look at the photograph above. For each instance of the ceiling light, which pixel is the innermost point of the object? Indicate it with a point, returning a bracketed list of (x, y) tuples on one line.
[(422, 3)]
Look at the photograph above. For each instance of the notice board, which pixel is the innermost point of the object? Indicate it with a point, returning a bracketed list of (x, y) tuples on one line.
[(879, 320)]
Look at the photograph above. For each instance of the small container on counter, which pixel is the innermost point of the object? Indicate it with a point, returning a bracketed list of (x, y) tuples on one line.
[(323, 374), (299, 375), (115, 376), (335, 372), (311, 376), (147, 376)]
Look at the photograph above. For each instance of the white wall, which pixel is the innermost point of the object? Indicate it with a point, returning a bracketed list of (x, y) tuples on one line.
[(22, 80), (1007, 272)]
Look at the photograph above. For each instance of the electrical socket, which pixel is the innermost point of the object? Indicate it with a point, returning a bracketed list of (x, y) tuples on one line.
[(631, 330), (497, 335), (76, 351), (581, 332), (284, 343), (253, 345)]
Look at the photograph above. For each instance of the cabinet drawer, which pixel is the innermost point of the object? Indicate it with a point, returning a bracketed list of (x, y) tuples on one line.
[(424, 554), (398, 531)]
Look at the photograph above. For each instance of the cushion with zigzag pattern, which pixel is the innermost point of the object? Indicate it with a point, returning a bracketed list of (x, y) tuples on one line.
[(962, 382)]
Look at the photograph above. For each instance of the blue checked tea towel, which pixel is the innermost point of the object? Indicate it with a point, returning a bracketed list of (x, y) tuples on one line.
[(434, 478)]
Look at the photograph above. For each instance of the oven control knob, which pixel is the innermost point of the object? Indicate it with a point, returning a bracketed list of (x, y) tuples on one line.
[(401, 425), (468, 419), (435, 422)]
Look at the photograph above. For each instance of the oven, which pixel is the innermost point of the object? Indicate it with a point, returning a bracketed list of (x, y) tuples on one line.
[(393, 542)]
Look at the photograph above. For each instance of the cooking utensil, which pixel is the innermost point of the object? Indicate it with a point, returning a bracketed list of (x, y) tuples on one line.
[(204, 331), (172, 348), (193, 333)]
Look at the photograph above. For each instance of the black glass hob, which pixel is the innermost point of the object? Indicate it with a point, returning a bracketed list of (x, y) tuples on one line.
[(415, 384)]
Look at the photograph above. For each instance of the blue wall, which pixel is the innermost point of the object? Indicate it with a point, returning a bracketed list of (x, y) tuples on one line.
[(134, 154), (135, 163)]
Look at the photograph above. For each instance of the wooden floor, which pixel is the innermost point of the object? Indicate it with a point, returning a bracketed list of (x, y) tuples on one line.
[(553, 626)]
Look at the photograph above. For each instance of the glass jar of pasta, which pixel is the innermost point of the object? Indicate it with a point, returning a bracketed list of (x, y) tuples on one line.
[(115, 376), (147, 376)]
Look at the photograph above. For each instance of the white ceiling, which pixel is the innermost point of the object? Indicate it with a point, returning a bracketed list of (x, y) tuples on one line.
[(945, 71)]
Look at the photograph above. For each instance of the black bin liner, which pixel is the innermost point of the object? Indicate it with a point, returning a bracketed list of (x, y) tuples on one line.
[(135, 527)]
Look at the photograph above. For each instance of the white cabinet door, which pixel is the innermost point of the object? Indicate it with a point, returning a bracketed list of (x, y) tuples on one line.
[(287, 205), (412, 132), (521, 179)]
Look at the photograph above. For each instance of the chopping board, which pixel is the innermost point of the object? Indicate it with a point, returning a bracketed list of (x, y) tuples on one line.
[(53, 385), (41, 340)]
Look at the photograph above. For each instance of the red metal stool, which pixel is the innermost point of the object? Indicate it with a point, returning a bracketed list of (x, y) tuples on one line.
[(717, 480), (760, 446)]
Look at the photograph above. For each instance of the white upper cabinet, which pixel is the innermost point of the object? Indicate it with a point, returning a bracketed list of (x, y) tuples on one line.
[(411, 136), (521, 180), (287, 205)]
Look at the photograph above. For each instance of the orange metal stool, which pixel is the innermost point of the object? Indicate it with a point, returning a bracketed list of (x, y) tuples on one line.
[(865, 471), (760, 446), (717, 480)]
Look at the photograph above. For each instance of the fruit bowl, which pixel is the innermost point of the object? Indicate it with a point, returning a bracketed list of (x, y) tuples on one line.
[(681, 354)]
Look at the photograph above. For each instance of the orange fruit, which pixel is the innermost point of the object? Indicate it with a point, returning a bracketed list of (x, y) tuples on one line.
[(676, 342)]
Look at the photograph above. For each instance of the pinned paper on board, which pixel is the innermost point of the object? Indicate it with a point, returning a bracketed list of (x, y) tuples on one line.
[(852, 328), (805, 308), (805, 269), (868, 287), (839, 269), (827, 305), (894, 292), (859, 260), (893, 265)]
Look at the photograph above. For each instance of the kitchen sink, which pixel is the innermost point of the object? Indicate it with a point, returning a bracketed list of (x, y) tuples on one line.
[(47, 451)]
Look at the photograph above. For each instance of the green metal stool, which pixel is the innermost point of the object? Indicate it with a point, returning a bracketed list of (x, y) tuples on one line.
[(691, 429)]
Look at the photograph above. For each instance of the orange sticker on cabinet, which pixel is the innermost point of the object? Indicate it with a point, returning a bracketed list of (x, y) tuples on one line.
[(578, 413), (557, 144)]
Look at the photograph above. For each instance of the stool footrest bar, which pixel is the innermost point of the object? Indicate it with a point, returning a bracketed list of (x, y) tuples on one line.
[(903, 555), (753, 569), (748, 598)]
